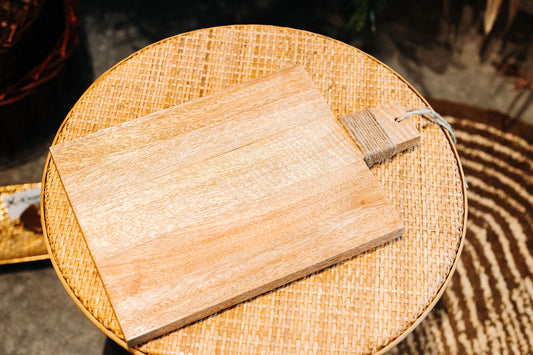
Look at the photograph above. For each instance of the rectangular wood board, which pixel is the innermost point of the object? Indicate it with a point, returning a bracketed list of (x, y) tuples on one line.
[(195, 208)]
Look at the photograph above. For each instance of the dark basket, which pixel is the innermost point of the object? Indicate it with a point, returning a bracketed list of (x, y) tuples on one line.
[(36, 38)]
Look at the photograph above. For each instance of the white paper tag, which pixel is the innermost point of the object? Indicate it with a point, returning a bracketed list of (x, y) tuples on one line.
[(17, 202)]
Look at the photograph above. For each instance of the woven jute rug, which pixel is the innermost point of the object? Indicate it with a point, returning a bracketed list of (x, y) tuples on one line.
[(488, 305)]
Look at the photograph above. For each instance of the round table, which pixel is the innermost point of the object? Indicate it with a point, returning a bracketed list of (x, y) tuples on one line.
[(363, 305)]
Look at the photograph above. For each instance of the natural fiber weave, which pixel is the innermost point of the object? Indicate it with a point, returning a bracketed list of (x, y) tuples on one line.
[(18, 244), (487, 307), (361, 305)]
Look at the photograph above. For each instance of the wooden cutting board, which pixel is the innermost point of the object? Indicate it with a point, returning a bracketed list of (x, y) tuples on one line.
[(195, 208)]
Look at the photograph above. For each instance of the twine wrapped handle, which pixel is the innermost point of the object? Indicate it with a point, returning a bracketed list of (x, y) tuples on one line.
[(380, 133), (377, 133)]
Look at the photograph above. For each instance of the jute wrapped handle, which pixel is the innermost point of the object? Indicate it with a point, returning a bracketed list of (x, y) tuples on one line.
[(378, 134)]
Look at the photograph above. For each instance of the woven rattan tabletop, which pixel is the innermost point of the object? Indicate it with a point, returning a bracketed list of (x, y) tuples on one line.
[(363, 305)]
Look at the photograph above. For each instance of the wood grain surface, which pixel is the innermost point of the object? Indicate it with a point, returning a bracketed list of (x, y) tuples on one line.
[(195, 208)]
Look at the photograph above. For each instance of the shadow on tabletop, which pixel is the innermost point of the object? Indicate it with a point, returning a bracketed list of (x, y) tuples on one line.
[(155, 20), (112, 348), (27, 266)]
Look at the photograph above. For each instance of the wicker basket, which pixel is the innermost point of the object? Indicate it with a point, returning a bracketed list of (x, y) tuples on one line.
[(363, 305), (36, 38), (19, 241)]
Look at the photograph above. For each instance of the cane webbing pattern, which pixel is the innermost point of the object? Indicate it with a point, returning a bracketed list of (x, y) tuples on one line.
[(361, 305)]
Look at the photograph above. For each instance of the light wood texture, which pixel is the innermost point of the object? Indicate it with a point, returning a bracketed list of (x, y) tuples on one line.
[(193, 209), (378, 134)]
